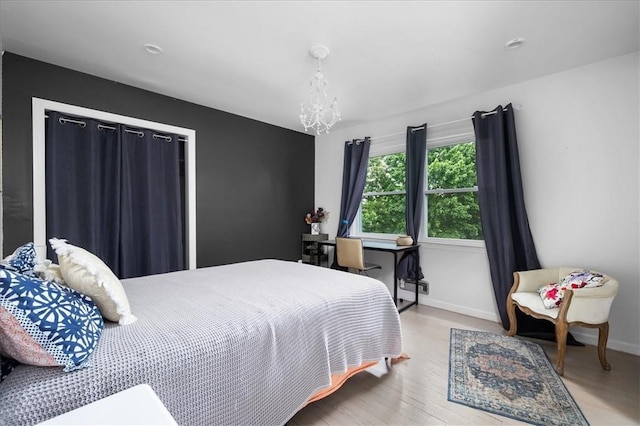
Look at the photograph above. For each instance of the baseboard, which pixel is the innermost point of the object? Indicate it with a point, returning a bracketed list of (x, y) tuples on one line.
[(428, 301), (582, 336), (476, 313), (592, 339)]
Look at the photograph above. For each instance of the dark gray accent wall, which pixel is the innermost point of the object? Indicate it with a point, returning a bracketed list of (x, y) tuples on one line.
[(255, 181)]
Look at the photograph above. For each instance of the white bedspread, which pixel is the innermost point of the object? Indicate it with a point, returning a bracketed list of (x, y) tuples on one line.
[(240, 344)]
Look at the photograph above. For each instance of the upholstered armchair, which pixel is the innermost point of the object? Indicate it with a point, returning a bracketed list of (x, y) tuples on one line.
[(584, 307)]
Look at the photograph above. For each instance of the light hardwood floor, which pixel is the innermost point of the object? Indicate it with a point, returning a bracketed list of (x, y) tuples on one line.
[(414, 391)]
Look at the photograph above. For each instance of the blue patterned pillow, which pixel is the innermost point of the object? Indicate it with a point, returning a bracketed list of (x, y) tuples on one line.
[(43, 323), (23, 260)]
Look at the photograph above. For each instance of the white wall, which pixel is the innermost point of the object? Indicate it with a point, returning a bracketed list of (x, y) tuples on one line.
[(579, 138)]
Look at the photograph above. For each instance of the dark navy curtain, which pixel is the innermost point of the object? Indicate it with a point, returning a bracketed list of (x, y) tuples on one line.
[(82, 169), (505, 224), (416, 154), (354, 177), (151, 209), (115, 192)]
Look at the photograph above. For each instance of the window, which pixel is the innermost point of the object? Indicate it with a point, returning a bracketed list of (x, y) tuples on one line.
[(451, 202), (451, 193), (383, 201)]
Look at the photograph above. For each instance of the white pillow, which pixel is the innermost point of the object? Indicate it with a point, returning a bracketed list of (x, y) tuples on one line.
[(86, 273), (49, 272)]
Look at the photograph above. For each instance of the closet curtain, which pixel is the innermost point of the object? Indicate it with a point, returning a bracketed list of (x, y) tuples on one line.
[(151, 224), (354, 177), (115, 191), (416, 155)]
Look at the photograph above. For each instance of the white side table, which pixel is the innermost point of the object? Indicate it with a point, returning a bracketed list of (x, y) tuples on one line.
[(138, 405)]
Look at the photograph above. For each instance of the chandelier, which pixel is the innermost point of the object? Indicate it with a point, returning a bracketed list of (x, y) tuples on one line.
[(317, 113)]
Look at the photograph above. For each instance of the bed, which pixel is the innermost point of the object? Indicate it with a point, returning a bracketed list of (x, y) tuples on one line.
[(246, 344)]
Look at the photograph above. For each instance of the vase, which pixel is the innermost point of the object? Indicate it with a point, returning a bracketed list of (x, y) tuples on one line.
[(404, 240), (315, 228)]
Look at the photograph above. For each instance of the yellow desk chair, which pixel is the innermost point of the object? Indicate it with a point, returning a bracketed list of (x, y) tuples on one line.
[(350, 254)]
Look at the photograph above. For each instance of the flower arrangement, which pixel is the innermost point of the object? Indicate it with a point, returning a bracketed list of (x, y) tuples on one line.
[(316, 216)]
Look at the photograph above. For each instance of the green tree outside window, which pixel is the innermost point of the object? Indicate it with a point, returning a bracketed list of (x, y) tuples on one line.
[(383, 202), (451, 202)]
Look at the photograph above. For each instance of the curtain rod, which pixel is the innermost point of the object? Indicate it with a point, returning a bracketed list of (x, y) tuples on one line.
[(140, 133), (438, 124), (358, 141), (489, 113)]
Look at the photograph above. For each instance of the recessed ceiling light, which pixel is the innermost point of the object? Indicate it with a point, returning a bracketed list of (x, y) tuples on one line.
[(515, 43), (153, 49)]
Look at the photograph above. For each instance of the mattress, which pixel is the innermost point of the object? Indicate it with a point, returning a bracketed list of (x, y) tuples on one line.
[(241, 344)]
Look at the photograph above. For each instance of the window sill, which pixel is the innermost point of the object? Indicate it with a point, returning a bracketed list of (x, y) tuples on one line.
[(453, 242), (381, 237), (426, 241)]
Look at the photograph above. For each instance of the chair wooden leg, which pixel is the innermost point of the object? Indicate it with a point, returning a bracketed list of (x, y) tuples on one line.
[(511, 313), (562, 328), (603, 336)]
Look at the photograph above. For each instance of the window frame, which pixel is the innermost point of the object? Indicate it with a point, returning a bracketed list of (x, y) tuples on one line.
[(378, 149), (446, 136), (440, 143)]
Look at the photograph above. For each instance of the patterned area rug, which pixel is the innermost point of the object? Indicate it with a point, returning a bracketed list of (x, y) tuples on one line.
[(508, 376)]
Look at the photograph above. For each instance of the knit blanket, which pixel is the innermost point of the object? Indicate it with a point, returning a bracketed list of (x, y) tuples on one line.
[(240, 344)]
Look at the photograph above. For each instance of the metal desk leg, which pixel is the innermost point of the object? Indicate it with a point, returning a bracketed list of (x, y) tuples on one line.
[(417, 271), (395, 279)]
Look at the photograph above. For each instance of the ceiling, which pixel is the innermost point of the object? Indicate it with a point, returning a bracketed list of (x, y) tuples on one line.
[(251, 58)]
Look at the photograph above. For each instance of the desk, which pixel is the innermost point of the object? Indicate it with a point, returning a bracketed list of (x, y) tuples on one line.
[(394, 249)]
